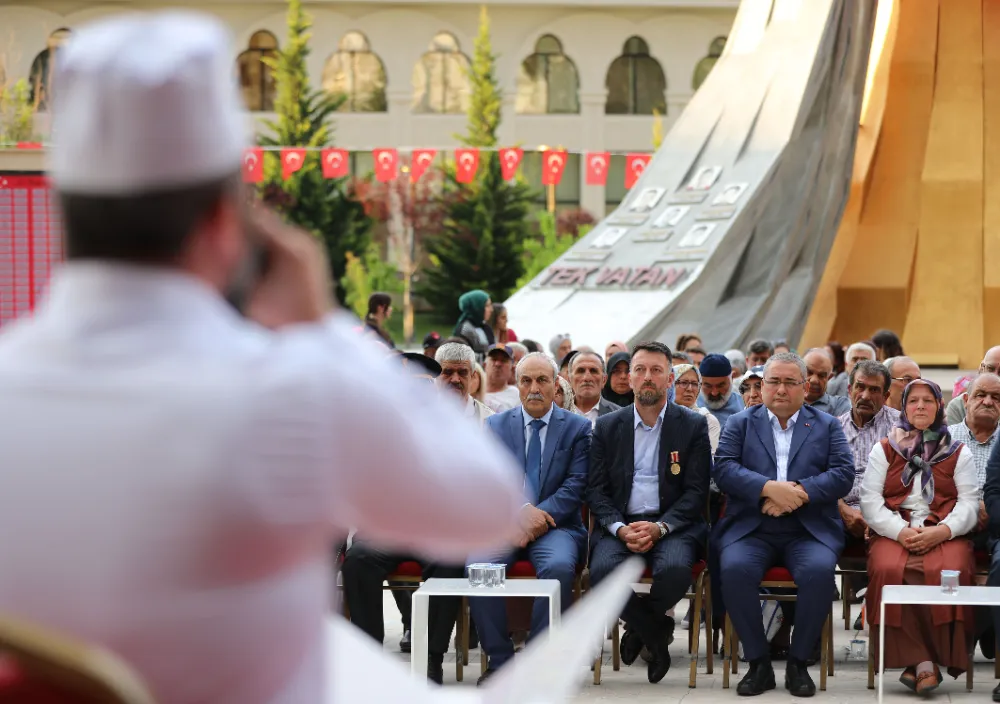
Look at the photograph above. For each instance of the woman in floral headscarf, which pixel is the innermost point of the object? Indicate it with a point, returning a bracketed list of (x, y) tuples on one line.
[(920, 498)]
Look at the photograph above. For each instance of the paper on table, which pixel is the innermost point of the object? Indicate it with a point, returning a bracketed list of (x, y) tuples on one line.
[(548, 671)]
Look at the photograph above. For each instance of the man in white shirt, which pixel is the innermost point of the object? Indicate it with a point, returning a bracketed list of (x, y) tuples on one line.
[(587, 375), (175, 472), (457, 363), (500, 396)]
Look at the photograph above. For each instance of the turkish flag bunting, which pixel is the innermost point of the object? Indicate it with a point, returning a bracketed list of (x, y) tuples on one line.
[(291, 161), (420, 161), (510, 159), (597, 168), (466, 164), (553, 164), (635, 164), (386, 163), (335, 163), (253, 165)]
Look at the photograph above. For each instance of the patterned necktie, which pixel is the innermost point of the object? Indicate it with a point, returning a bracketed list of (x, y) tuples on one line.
[(533, 463)]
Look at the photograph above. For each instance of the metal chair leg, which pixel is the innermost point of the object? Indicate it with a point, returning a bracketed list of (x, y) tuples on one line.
[(460, 627), (830, 649), (694, 628), (616, 648), (465, 632), (825, 651), (709, 626)]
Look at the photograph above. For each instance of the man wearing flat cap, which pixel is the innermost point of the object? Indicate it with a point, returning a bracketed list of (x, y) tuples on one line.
[(717, 388), (178, 453)]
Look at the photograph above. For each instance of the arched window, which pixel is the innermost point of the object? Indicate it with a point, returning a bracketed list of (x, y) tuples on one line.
[(636, 83), (256, 77), (548, 82), (40, 77), (355, 72), (706, 64), (440, 79)]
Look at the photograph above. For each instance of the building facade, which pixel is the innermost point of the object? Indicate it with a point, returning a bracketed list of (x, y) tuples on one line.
[(576, 74)]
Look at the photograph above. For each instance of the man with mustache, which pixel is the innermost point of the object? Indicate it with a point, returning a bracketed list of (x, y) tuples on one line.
[(588, 377), (717, 388), (553, 447), (819, 367), (647, 489), (457, 361)]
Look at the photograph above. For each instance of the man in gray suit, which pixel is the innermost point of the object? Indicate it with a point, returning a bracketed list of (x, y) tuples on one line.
[(587, 375)]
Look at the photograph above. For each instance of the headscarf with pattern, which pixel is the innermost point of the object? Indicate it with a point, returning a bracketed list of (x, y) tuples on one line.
[(922, 449)]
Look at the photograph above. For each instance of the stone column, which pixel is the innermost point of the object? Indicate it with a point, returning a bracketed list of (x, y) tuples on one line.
[(592, 112)]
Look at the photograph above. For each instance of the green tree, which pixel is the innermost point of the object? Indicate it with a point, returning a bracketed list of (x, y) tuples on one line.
[(365, 275), (481, 241), (326, 207), (17, 114)]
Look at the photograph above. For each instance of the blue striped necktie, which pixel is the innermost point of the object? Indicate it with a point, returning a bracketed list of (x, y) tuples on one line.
[(533, 463)]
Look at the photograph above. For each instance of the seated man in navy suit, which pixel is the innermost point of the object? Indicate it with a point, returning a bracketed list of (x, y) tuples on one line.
[(553, 446), (648, 491), (783, 466)]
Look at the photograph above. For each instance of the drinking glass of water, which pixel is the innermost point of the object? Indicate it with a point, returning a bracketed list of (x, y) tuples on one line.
[(949, 581)]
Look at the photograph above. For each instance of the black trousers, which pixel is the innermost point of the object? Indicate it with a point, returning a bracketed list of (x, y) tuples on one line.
[(364, 570), (670, 560)]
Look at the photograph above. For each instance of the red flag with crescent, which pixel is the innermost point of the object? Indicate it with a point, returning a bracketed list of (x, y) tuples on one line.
[(553, 165), (635, 164), (291, 161), (420, 161), (466, 164), (386, 163), (336, 163), (510, 159), (597, 168), (253, 165)]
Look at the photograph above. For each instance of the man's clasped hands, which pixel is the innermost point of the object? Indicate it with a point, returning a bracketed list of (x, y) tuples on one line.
[(781, 498)]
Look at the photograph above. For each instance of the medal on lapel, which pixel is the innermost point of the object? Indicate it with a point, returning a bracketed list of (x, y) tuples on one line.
[(675, 467)]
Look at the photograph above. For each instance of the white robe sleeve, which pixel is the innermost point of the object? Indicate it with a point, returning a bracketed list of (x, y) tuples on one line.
[(965, 515), (714, 430), (876, 514), (345, 440)]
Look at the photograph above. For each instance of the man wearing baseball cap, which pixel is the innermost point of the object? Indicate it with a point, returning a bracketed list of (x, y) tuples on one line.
[(751, 386), (500, 395), (432, 341)]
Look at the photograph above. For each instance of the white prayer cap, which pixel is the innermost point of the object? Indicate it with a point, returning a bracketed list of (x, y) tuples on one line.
[(145, 102)]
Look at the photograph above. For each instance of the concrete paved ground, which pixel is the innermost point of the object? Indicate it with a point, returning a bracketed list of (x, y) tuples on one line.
[(848, 686)]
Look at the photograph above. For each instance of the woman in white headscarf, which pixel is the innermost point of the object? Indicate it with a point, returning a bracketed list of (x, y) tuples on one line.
[(560, 346), (687, 386)]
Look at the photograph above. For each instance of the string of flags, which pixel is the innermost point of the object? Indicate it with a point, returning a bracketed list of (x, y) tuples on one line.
[(335, 163)]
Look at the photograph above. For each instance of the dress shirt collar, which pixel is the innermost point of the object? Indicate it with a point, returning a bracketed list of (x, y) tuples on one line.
[(638, 419), (875, 419), (777, 425), (972, 435), (527, 417), (470, 406)]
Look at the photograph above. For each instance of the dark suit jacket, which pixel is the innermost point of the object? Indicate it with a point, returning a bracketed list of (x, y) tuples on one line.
[(604, 407), (612, 466), (991, 491), (565, 457), (820, 460)]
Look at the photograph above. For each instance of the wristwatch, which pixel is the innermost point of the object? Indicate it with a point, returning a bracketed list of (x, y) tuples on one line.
[(663, 529)]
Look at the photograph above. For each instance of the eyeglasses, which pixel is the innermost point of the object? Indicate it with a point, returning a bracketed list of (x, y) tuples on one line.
[(905, 379), (687, 384), (773, 383)]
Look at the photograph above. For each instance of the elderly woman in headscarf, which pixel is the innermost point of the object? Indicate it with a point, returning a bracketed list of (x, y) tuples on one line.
[(920, 499), (560, 346), (617, 388), (476, 308), (687, 386), (565, 398), (615, 346)]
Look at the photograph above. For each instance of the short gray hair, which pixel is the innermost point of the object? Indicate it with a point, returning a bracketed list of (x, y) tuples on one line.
[(582, 353), (821, 350), (787, 358), (538, 355), (518, 347), (858, 346), (455, 352), (737, 359)]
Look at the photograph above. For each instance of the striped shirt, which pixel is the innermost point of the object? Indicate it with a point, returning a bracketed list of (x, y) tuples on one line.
[(862, 440), (980, 450), (782, 443)]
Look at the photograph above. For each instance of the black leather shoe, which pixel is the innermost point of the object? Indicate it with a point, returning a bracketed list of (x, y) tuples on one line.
[(987, 644), (758, 680), (404, 642), (996, 693), (485, 676), (435, 668), (659, 663), (797, 679), (630, 646)]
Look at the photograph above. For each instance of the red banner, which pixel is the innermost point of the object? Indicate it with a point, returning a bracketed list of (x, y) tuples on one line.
[(336, 163), (466, 164), (386, 163), (597, 168), (553, 165), (635, 164), (510, 159), (420, 162), (291, 161), (253, 165)]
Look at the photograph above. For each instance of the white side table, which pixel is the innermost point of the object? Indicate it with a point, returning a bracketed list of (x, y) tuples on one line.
[(461, 587), (927, 596)]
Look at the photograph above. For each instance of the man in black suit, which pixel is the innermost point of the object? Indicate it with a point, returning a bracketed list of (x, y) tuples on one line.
[(647, 489), (587, 376)]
